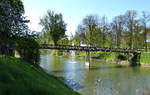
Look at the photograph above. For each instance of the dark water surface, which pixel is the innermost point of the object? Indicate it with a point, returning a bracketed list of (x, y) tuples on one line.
[(98, 78)]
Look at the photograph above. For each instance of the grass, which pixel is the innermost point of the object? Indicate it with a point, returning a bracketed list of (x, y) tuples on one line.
[(145, 58), (20, 78), (100, 55), (104, 55), (81, 54)]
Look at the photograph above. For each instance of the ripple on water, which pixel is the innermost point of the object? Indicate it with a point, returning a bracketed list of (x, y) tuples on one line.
[(73, 84)]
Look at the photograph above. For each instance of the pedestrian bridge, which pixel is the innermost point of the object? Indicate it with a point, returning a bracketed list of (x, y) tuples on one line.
[(87, 48), (135, 59)]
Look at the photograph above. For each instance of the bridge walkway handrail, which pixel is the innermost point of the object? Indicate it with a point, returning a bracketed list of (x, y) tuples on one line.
[(87, 48)]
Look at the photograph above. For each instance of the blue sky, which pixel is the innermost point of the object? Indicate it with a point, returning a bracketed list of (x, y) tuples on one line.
[(75, 10)]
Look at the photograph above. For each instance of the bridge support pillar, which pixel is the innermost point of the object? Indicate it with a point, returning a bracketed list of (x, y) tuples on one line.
[(135, 60)]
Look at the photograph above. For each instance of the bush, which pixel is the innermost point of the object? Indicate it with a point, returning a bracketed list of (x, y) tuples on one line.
[(122, 57), (28, 49)]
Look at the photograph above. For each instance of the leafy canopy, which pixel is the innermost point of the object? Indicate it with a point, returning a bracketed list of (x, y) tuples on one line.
[(54, 24)]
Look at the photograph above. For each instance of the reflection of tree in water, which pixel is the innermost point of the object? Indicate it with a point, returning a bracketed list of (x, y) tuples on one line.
[(55, 61), (87, 60), (45, 59)]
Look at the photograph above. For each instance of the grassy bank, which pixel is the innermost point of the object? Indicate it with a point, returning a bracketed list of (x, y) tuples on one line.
[(20, 78), (145, 58), (103, 55)]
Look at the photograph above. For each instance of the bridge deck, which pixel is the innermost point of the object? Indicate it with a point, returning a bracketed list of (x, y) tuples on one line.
[(87, 48)]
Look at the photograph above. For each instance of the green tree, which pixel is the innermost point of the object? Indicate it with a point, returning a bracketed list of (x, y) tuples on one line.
[(130, 25), (125, 31), (54, 24), (104, 26), (87, 28), (11, 18), (64, 40), (28, 49), (76, 39), (145, 19), (11, 22), (15, 33), (118, 28)]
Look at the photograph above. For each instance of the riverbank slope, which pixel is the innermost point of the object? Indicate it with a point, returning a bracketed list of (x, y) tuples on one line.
[(145, 59), (20, 78)]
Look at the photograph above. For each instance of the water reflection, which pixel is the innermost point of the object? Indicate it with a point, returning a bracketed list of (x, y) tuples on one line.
[(97, 77), (45, 59)]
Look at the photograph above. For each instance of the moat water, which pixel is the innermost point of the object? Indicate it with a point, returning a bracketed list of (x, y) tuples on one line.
[(98, 77)]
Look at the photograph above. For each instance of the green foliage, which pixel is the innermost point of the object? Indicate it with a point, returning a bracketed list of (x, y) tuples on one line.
[(64, 40), (104, 55), (76, 39), (145, 58), (81, 54), (99, 55), (87, 30), (125, 31), (11, 19), (45, 52), (18, 5), (19, 78), (122, 57), (54, 24), (118, 26), (14, 31), (60, 52), (45, 38), (28, 49)]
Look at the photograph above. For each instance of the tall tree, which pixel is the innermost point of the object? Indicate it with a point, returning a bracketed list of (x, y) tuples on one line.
[(145, 19), (11, 12), (87, 27), (81, 35), (130, 23), (54, 24), (124, 31), (104, 26), (12, 21), (15, 32), (118, 28), (76, 39)]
